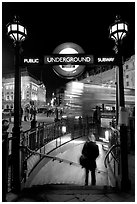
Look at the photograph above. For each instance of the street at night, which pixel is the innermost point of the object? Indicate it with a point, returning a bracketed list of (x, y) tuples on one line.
[(87, 26), (26, 125), (68, 101)]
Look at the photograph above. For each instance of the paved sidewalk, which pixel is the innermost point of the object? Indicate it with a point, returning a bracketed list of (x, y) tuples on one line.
[(69, 193)]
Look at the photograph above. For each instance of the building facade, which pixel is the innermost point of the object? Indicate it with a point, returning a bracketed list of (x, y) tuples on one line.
[(129, 73), (32, 90), (108, 77)]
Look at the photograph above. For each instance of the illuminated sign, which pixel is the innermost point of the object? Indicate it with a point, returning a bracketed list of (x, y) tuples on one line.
[(105, 59), (30, 60), (68, 59)]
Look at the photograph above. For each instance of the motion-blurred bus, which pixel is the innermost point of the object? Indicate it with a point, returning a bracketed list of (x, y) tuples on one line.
[(81, 98)]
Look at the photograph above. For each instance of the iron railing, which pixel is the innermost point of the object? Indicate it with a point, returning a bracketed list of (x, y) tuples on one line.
[(111, 151), (36, 140), (112, 158)]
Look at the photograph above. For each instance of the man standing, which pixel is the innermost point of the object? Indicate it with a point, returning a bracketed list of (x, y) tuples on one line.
[(31, 113), (5, 126), (56, 114), (26, 115), (91, 152)]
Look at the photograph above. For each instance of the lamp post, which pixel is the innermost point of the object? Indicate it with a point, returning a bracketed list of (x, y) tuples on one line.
[(17, 33), (117, 32)]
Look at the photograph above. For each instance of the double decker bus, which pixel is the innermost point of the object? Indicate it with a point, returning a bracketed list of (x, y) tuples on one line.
[(82, 98)]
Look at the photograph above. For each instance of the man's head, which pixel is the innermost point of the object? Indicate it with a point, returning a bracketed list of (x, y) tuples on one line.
[(91, 137), (5, 125)]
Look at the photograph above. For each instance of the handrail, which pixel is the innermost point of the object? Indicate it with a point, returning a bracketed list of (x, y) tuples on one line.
[(114, 157), (110, 151), (58, 159), (51, 157), (38, 137)]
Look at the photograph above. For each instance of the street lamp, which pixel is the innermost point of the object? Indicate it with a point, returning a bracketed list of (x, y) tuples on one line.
[(117, 31), (17, 33)]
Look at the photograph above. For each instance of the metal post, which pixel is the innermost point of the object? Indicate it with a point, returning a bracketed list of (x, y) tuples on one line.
[(5, 154), (125, 183), (117, 101), (16, 128)]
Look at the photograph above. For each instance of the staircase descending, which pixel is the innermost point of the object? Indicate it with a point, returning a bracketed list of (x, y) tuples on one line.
[(66, 193), (64, 168), (61, 179)]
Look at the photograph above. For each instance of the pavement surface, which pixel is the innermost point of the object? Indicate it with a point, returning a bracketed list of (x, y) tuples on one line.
[(61, 182), (72, 193)]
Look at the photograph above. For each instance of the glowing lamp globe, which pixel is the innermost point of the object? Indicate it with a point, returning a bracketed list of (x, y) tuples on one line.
[(16, 31), (118, 30)]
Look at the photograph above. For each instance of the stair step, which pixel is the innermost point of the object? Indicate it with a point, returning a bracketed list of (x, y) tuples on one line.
[(68, 188)]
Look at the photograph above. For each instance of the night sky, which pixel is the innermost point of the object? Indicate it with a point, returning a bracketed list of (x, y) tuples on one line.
[(52, 23)]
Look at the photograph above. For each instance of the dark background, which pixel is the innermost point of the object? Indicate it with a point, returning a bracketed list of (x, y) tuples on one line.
[(52, 23)]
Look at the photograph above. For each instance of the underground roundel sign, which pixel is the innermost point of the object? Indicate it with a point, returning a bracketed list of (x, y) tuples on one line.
[(68, 70)]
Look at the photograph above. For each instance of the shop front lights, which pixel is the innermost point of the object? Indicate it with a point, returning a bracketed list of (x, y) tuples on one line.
[(64, 129), (77, 117), (107, 133)]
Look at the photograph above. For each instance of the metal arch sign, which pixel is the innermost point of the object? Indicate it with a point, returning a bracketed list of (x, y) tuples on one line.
[(69, 59), (68, 55), (73, 59)]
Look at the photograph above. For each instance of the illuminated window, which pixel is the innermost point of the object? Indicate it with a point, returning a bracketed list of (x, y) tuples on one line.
[(127, 83), (34, 88), (7, 97), (28, 86)]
